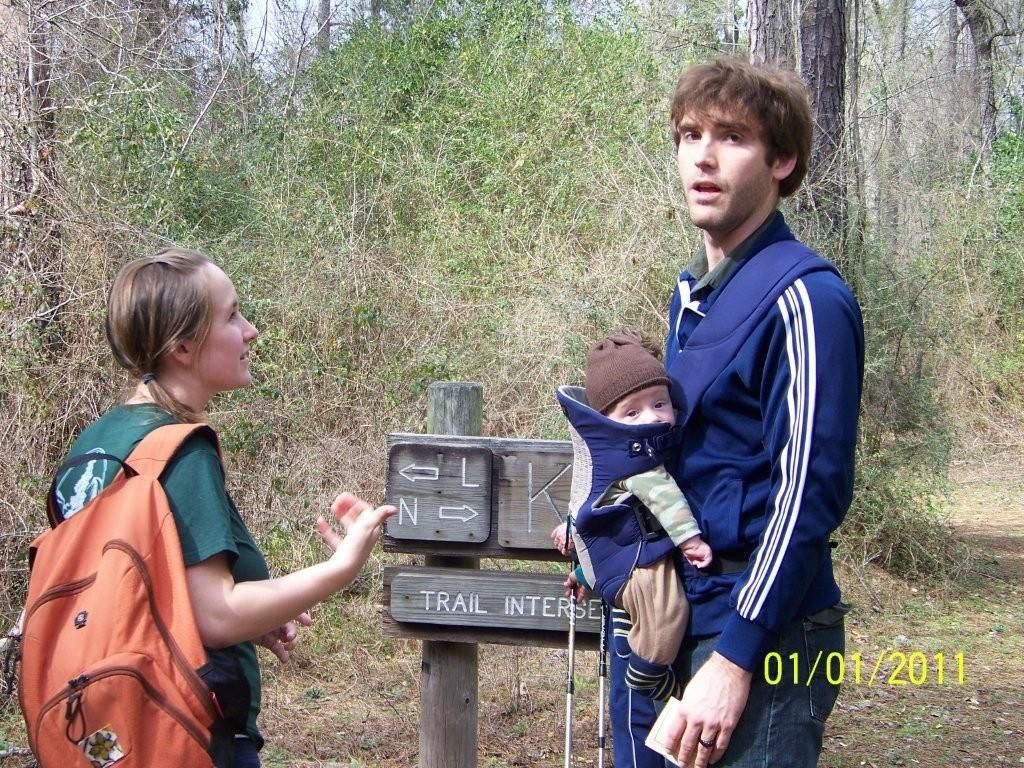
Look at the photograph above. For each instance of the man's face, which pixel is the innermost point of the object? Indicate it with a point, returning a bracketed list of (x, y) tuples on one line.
[(730, 186)]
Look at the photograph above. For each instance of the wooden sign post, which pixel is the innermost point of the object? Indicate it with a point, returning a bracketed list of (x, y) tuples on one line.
[(448, 671), (462, 497)]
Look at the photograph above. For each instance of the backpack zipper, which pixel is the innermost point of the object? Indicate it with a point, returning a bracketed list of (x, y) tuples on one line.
[(199, 688), (78, 686), (53, 593)]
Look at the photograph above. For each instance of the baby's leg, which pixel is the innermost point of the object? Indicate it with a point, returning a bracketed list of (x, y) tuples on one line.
[(653, 597)]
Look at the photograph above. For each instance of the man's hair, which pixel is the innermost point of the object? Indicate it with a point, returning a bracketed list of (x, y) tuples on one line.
[(772, 98)]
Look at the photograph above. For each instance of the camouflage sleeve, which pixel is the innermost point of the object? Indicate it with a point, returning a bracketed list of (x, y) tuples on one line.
[(660, 494)]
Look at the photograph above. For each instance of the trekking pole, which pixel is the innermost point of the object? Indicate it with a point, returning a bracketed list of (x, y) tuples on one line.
[(569, 682), (602, 676)]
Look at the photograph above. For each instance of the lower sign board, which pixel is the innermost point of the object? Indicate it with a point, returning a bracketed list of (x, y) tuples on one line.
[(499, 599)]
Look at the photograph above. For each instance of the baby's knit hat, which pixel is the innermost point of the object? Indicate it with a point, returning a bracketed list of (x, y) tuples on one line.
[(619, 365)]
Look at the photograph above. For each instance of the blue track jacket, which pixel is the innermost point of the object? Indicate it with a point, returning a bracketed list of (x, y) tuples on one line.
[(771, 386)]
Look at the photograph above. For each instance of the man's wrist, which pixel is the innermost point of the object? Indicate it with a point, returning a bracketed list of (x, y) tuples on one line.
[(724, 666)]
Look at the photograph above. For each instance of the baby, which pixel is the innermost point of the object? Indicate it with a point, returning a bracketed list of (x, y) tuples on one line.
[(619, 432)]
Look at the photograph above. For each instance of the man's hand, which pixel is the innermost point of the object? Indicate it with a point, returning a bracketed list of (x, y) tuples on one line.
[(709, 711)]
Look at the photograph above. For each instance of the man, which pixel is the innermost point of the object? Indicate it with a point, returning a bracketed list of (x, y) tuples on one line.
[(766, 346)]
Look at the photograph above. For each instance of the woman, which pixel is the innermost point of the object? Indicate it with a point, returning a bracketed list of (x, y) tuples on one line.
[(173, 321)]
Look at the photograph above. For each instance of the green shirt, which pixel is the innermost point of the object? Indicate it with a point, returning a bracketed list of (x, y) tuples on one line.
[(698, 267), (207, 520)]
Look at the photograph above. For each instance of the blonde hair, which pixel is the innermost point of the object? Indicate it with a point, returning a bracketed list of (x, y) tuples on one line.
[(156, 303)]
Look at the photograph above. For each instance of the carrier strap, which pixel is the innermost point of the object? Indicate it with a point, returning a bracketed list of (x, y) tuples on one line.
[(149, 458)]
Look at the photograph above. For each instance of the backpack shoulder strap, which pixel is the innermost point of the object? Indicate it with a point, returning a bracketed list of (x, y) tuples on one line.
[(156, 449), (150, 457)]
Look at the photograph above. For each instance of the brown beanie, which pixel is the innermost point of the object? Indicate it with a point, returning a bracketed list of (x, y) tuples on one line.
[(619, 365)]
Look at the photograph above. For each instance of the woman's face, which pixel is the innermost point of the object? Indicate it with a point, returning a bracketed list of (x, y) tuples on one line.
[(222, 362)]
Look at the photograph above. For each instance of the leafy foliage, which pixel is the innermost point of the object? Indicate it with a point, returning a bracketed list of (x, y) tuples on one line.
[(472, 192)]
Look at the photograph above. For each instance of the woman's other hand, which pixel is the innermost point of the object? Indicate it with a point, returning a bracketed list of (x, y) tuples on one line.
[(281, 641)]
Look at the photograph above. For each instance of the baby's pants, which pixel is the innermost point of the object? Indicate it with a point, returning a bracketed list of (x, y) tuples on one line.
[(654, 599)]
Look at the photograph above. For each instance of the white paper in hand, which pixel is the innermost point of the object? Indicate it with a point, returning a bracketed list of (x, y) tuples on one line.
[(656, 739)]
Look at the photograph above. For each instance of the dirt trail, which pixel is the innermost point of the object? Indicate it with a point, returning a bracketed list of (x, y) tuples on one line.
[(971, 721), (988, 508)]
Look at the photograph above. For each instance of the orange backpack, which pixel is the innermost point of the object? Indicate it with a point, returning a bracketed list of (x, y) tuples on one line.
[(110, 650)]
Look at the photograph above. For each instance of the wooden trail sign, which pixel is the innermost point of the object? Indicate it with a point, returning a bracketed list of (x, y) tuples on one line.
[(441, 495), (477, 496), (507, 607), (504, 599)]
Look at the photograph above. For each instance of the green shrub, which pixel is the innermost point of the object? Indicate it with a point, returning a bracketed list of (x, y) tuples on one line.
[(475, 193)]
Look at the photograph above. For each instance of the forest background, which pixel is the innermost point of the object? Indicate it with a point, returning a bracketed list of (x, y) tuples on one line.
[(409, 192)]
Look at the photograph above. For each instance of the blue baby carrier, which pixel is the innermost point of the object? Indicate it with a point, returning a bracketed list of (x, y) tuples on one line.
[(612, 539)]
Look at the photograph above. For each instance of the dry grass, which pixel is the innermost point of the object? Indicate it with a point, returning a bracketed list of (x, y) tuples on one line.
[(351, 695)]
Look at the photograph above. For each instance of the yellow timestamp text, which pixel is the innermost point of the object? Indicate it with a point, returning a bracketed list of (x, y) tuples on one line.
[(889, 667)]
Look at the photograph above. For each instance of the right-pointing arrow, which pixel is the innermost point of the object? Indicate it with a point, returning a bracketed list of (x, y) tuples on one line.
[(465, 513)]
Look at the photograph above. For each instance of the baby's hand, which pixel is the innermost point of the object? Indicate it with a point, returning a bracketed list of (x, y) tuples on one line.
[(573, 586), (562, 543), (696, 551)]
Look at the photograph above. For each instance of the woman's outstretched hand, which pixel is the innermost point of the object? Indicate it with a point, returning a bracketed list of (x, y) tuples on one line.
[(359, 521)]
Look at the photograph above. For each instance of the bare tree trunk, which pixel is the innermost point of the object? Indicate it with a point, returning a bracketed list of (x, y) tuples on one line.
[(983, 34), (28, 123), (29, 235), (772, 36), (731, 31), (15, 166), (891, 153), (856, 154), (220, 27), (323, 32), (823, 67), (953, 37), (153, 18)]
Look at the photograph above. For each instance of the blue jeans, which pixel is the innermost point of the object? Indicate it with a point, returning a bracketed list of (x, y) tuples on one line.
[(246, 754), (784, 720)]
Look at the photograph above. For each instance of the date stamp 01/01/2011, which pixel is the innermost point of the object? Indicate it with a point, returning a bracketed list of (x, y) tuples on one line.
[(888, 667)]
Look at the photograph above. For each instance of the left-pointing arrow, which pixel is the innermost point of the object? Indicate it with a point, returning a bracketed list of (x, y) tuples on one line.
[(412, 473), (464, 513)]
